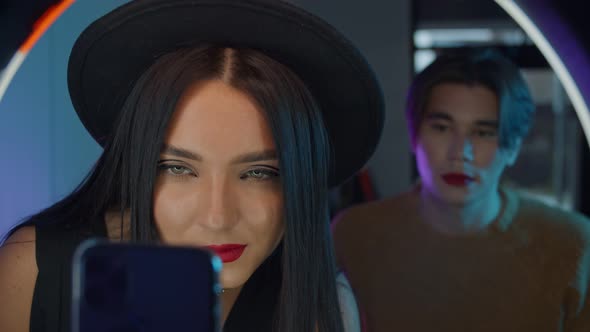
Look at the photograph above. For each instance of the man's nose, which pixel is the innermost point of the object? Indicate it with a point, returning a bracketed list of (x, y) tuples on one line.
[(461, 148)]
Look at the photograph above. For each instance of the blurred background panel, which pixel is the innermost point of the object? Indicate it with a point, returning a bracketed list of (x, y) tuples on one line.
[(46, 152), (555, 155), (550, 164)]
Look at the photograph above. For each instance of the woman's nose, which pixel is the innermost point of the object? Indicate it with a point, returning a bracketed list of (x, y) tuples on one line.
[(217, 204)]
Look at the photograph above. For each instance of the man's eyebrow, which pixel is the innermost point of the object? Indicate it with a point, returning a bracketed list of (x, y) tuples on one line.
[(438, 115), (180, 152), (488, 123)]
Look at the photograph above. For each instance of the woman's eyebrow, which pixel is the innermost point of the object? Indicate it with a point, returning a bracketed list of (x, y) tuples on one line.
[(180, 152), (251, 157), (241, 159)]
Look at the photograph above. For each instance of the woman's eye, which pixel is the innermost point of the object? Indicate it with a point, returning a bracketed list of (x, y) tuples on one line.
[(175, 170), (260, 174)]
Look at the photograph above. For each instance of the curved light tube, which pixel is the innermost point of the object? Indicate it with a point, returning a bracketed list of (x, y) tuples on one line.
[(39, 28), (556, 62)]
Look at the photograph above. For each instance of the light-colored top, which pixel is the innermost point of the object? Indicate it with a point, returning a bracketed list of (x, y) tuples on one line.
[(348, 306)]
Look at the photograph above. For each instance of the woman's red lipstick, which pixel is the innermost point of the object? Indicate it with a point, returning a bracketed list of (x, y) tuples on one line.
[(228, 252), (457, 179)]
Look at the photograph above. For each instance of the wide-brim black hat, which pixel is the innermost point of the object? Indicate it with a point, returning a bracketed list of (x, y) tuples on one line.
[(111, 54)]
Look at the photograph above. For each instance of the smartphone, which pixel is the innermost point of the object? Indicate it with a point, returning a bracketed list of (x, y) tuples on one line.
[(120, 287)]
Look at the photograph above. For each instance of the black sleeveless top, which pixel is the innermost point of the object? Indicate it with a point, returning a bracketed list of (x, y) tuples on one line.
[(55, 245)]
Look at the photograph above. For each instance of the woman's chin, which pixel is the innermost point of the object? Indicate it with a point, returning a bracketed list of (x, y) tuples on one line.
[(232, 278)]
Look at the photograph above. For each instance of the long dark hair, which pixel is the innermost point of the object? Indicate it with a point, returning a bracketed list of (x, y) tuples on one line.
[(124, 176)]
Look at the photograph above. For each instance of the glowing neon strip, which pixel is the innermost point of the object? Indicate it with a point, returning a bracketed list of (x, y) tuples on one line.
[(554, 60), (10, 71), (39, 28), (43, 23)]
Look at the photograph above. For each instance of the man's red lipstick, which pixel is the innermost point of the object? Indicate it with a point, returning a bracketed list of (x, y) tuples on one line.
[(228, 252), (457, 179)]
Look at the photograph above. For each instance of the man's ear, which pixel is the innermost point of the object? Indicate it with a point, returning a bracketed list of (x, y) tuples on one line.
[(513, 152)]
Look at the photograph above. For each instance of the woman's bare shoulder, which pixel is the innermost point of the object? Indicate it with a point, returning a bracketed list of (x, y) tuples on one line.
[(18, 274)]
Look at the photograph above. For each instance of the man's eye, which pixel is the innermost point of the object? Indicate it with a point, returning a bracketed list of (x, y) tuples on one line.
[(486, 133), (439, 127)]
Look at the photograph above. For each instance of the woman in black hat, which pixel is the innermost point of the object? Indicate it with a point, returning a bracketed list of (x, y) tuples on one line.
[(223, 124)]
